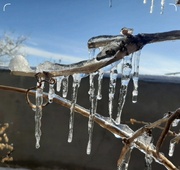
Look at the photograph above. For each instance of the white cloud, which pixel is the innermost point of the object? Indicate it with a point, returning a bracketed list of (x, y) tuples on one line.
[(49, 55)]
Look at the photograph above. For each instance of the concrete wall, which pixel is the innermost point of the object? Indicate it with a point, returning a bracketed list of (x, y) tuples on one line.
[(156, 97)]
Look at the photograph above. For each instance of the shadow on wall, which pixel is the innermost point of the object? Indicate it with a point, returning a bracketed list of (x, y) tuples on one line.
[(157, 95)]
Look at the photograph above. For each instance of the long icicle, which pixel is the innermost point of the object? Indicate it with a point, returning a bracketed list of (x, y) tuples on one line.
[(58, 83), (100, 79), (135, 76), (125, 163), (162, 6), (38, 111), (93, 101), (76, 84), (125, 77), (112, 86), (65, 86), (152, 6)]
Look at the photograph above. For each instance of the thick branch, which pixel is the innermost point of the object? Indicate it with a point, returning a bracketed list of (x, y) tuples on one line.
[(114, 49), (103, 123)]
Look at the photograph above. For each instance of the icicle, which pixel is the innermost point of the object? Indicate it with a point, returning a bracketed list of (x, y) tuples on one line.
[(112, 85), (76, 84), (175, 122), (148, 162), (93, 101), (162, 6), (51, 92), (92, 52), (171, 147), (38, 111), (110, 3), (58, 83), (65, 86), (135, 77), (125, 163), (145, 1), (126, 75), (100, 78), (152, 6), (146, 138)]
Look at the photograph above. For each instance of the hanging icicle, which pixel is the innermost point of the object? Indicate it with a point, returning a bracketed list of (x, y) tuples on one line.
[(144, 1), (125, 163), (65, 86), (125, 77), (152, 6), (76, 83), (38, 111), (171, 148), (100, 78), (135, 76), (112, 86), (58, 83), (51, 92), (93, 103), (162, 6)]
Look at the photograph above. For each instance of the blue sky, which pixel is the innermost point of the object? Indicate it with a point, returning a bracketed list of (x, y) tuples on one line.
[(59, 29)]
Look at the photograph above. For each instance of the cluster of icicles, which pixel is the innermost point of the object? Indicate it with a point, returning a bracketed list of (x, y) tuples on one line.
[(152, 5), (127, 69)]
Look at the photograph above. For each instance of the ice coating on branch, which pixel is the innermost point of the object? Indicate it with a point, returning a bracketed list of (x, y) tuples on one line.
[(93, 106), (100, 78), (76, 83), (135, 75), (65, 86), (175, 122), (112, 86), (19, 63), (38, 112), (171, 147), (162, 6), (58, 82), (125, 77), (125, 163), (152, 6), (51, 92)]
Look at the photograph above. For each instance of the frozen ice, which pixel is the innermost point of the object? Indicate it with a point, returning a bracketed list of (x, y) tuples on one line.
[(112, 86), (175, 122), (58, 82), (65, 86), (125, 78), (135, 75), (162, 6), (144, 1), (152, 6), (19, 63), (51, 92), (76, 83), (110, 3), (93, 106), (148, 162), (171, 147), (38, 112), (125, 163), (100, 79)]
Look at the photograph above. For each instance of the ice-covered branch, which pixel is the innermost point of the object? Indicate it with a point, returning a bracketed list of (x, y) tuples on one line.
[(115, 129), (114, 48)]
